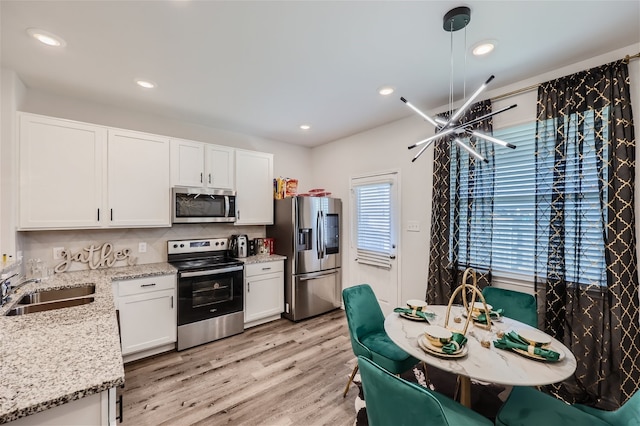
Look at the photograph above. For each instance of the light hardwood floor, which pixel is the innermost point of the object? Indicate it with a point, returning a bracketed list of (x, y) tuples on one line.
[(280, 373)]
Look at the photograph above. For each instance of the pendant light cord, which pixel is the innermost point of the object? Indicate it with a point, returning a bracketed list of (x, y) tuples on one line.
[(464, 70), (451, 71)]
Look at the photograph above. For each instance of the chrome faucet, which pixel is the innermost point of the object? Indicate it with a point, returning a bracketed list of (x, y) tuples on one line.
[(6, 289)]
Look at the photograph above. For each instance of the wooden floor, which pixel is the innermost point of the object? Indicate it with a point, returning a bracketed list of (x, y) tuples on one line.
[(280, 373)]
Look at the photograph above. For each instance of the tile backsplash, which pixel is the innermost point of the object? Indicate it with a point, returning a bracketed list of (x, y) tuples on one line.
[(40, 244)]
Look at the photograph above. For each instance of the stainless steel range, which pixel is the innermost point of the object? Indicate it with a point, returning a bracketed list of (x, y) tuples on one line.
[(210, 290)]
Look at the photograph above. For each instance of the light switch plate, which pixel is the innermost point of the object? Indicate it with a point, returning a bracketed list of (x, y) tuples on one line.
[(142, 247), (413, 226)]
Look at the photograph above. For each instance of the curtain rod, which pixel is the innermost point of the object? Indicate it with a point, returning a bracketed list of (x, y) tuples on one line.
[(627, 58)]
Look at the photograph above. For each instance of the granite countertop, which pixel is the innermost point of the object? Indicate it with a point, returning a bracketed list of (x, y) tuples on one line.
[(261, 258), (53, 357)]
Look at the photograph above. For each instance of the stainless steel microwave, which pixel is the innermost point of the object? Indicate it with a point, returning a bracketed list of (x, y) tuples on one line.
[(201, 205)]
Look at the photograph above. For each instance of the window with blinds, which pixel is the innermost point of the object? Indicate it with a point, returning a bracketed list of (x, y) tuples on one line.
[(511, 240), (373, 223)]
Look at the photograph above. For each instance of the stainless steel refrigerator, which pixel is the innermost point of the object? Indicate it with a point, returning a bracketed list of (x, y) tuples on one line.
[(307, 230)]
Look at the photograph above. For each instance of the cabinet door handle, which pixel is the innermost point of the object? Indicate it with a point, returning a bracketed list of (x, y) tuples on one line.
[(209, 177), (98, 215), (111, 214), (248, 287), (171, 302), (200, 177), (147, 285)]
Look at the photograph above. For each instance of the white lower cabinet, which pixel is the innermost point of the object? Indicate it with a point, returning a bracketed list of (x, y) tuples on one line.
[(96, 409), (263, 292), (147, 313)]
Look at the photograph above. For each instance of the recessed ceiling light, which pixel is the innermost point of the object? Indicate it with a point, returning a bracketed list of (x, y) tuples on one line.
[(146, 84), (385, 91), (305, 126), (484, 48), (46, 37)]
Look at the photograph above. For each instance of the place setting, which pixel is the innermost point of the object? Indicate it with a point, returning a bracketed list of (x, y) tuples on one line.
[(416, 310), (530, 343), (444, 343), (479, 313)]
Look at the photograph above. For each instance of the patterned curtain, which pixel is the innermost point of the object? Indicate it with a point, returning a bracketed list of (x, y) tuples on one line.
[(459, 236), (586, 266)]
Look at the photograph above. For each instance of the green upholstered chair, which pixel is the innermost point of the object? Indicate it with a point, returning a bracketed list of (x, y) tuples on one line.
[(366, 329), (516, 305), (392, 400), (627, 415), (528, 406)]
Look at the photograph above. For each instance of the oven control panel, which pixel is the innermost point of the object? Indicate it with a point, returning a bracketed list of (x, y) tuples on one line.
[(196, 246)]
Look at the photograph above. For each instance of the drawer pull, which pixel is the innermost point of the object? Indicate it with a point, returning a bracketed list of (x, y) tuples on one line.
[(147, 285), (266, 269)]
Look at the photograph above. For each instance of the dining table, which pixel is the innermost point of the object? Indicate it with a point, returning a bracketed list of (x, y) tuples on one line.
[(480, 360)]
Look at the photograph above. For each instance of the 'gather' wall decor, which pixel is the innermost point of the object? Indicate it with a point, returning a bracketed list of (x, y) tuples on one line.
[(102, 256)]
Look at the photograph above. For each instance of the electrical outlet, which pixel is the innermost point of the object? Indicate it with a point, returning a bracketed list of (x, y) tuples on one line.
[(142, 247), (57, 253), (413, 226)]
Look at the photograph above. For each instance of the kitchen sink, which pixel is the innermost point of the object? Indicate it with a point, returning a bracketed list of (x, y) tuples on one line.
[(48, 306), (58, 294)]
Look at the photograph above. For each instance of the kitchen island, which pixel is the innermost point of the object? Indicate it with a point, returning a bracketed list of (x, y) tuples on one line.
[(54, 357)]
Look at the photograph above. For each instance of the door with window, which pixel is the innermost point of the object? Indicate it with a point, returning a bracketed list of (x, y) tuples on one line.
[(374, 233)]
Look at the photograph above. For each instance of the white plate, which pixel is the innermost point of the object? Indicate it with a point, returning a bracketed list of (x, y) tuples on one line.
[(426, 346), (438, 332), (480, 306), (417, 303), (475, 317), (534, 337), (538, 357), (411, 317)]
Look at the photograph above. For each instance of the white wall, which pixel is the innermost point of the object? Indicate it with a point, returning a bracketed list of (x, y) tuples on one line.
[(385, 148), (12, 92)]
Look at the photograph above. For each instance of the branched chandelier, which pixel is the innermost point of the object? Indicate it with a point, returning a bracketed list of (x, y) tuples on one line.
[(452, 129)]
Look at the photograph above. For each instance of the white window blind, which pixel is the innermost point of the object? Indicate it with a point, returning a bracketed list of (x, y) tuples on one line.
[(511, 240), (373, 223)]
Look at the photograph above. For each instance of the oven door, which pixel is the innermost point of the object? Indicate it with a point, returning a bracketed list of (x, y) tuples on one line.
[(208, 294)]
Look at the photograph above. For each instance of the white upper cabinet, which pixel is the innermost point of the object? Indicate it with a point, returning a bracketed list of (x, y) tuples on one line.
[(199, 164), (187, 163), (139, 194), (61, 173), (254, 188), (219, 166), (77, 175)]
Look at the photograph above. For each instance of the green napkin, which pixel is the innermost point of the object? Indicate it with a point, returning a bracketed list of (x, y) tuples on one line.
[(511, 340), (457, 342), (424, 315), (482, 318)]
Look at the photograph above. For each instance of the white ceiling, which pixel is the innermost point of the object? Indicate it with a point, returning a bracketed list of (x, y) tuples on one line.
[(265, 67)]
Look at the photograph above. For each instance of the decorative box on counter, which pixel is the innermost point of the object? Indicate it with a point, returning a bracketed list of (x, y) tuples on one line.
[(263, 246)]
